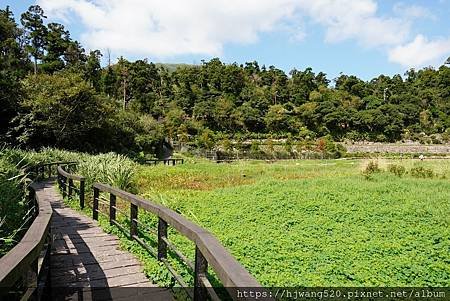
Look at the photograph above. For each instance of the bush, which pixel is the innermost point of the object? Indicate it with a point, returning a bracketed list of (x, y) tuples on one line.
[(397, 170), (371, 168), (422, 172)]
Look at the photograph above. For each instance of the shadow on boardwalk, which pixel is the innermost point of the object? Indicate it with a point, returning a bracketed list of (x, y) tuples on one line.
[(86, 263)]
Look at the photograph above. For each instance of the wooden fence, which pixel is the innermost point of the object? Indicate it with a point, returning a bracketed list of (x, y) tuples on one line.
[(208, 250), (68, 187), (172, 162), (24, 269)]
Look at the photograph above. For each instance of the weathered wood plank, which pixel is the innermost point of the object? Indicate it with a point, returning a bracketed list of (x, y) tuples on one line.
[(84, 256)]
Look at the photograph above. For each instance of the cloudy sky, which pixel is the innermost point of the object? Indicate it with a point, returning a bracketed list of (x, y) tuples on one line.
[(361, 37)]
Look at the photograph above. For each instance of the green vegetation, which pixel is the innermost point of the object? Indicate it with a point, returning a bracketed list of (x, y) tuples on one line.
[(113, 169), (421, 172), (291, 223), (370, 169), (55, 94), (316, 223), (397, 170), (11, 203), (309, 223)]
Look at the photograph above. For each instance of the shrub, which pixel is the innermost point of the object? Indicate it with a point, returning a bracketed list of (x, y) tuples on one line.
[(397, 170), (370, 169), (422, 172)]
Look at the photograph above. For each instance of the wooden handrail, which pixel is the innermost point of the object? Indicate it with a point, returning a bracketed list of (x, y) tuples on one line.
[(39, 169), (65, 174), (23, 258), (20, 258), (208, 249), (22, 261), (65, 182)]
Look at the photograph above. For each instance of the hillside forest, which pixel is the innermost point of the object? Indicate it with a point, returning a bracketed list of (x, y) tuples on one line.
[(54, 93)]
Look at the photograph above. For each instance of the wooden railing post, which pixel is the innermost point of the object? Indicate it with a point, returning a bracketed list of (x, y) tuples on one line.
[(82, 193), (162, 233), (133, 219), (70, 187), (201, 267), (112, 208), (64, 190), (95, 204), (30, 277), (50, 171)]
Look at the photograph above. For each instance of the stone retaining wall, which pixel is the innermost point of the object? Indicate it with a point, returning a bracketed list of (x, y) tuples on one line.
[(402, 148)]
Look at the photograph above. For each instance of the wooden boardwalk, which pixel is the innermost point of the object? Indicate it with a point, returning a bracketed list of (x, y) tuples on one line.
[(87, 264)]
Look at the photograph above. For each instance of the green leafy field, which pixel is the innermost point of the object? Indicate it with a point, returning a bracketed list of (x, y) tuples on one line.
[(317, 223)]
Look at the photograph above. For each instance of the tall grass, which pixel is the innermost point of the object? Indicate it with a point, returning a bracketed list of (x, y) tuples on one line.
[(12, 194), (116, 170), (113, 169)]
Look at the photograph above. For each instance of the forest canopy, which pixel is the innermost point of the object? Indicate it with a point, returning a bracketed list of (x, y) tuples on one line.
[(54, 93)]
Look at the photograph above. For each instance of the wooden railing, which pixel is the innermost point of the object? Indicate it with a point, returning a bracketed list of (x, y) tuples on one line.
[(26, 264), (172, 162), (67, 186), (24, 269), (208, 250), (44, 170)]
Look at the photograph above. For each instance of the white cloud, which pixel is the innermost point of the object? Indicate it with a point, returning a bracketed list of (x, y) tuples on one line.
[(349, 19), (421, 52), (172, 27), (168, 28), (413, 11), (165, 28)]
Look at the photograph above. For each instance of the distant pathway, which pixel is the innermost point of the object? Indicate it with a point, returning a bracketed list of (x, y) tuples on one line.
[(87, 264)]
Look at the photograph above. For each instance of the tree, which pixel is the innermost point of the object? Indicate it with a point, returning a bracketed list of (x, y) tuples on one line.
[(56, 43), (60, 110), (36, 32), (303, 83), (13, 58), (123, 67), (109, 80), (174, 119), (13, 66), (276, 118), (144, 85), (74, 55), (223, 110), (93, 69)]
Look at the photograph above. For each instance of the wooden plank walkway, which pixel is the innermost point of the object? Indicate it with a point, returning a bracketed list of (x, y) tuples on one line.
[(87, 264)]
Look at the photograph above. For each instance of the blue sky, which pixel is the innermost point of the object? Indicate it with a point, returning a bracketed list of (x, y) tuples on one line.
[(365, 37)]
